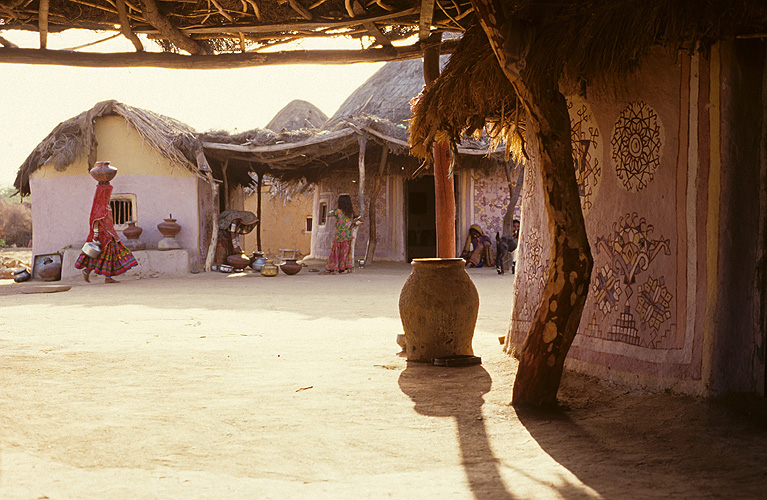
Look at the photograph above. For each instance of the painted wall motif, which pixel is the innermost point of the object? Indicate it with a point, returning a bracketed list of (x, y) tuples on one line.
[(491, 197), (635, 318), (587, 150)]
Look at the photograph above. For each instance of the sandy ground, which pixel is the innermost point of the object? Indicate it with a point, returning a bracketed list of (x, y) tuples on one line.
[(246, 387)]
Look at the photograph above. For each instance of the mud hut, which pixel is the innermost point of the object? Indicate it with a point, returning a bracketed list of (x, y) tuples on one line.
[(663, 106), (394, 191), (161, 172)]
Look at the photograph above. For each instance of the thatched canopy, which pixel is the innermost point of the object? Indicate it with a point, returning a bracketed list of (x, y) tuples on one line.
[(297, 114), (236, 31), (73, 138), (379, 107), (584, 40)]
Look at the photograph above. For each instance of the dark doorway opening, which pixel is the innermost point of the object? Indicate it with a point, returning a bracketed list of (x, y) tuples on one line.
[(421, 226)]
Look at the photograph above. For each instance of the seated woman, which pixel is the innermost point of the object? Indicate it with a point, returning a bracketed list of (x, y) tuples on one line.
[(478, 250)]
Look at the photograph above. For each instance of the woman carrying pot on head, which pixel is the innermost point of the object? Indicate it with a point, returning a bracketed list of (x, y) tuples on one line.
[(114, 258), (341, 258)]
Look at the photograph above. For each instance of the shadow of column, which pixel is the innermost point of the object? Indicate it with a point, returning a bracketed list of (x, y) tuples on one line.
[(458, 393)]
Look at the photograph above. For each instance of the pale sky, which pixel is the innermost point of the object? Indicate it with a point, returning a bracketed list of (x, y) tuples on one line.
[(36, 98)]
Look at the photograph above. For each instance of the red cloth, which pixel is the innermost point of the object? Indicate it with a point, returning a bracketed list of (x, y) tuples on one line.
[(101, 215)]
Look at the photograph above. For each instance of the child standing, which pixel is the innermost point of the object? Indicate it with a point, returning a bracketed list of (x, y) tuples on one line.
[(340, 258)]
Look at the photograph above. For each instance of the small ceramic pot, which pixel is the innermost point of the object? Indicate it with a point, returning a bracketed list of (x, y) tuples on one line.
[(290, 267), (269, 269)]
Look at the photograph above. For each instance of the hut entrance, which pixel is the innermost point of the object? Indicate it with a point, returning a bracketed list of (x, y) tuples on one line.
[(421, 227)]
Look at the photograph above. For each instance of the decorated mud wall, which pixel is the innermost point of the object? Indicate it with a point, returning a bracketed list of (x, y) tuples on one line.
[(483, 198), (647, 159)]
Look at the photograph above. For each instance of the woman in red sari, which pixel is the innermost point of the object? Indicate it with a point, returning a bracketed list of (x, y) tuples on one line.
[(115, 258)]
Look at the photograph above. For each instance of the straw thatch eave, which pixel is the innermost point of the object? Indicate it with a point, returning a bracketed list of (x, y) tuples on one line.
[(587, 42), (75, 137)]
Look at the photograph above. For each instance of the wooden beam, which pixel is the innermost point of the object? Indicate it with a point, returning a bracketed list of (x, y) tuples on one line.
[(289, 27), (363, 142), (303, 11), (220, 61), (278, 147), (168, 30), (43, 22), (125, 28), (427, 14)]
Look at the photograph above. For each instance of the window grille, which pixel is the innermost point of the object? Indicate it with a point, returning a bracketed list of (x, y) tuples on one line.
[(123, 210), (308, 224)]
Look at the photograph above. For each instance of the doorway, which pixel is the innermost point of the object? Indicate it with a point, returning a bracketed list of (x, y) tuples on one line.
[(421, 225)]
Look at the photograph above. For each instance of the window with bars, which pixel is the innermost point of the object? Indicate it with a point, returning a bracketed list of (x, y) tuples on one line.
[(123, 210)]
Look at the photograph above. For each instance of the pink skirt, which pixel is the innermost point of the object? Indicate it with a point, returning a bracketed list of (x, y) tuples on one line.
[(340, 258)]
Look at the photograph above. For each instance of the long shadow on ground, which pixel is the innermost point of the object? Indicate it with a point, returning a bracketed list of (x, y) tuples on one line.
[(458, 393)]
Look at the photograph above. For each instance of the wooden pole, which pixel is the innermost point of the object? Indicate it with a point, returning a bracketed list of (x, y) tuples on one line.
[(444, 190), (258, 210), (372, 233), (363, 141), (9, 54), (444, 201)]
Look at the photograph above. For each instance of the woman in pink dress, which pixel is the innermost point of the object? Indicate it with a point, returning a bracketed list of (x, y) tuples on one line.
[(340, 258)]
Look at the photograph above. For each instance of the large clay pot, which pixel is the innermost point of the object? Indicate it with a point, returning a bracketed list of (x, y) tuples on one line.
[(50, 270), (132, 233), (169, 229), (102, 171), (438, 307), (238, 260), (290, 267)]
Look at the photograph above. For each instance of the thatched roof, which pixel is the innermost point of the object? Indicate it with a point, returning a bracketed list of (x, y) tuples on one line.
[(296, 115), (74, 138), (379, 107), (585, 41), (235, 26)]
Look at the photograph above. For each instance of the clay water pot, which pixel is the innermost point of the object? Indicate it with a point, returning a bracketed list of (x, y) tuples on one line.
[(102, 171), (132, 233), (169, 229), (238, 261), (438, 307), (290, 267), (50, 270)]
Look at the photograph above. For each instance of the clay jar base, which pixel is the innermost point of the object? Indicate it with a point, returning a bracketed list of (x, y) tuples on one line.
[(438, 307)]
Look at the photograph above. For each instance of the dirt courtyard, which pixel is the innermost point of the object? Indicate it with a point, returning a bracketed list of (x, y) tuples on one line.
[(245, 387)]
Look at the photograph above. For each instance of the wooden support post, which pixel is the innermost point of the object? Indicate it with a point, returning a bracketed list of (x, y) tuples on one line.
[(444, 190), (260, 183), (372, 232), (444, 201), (363, 141), (43, 23)]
